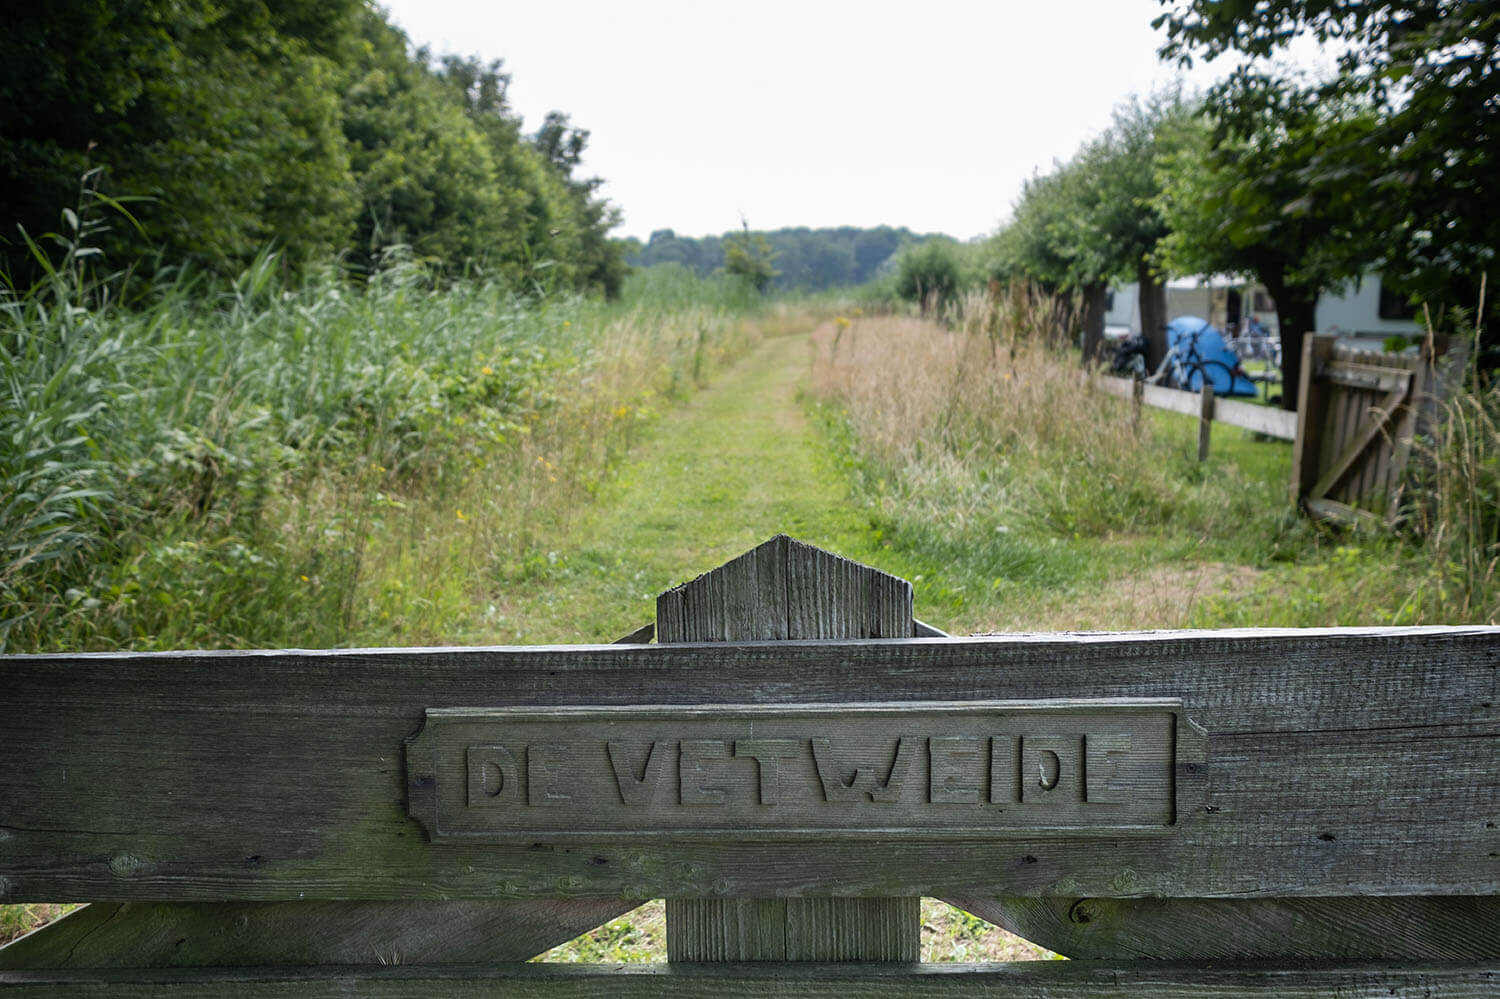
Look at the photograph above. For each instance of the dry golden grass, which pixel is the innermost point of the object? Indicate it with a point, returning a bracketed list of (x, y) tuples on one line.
[(912, 386), (981, 449)]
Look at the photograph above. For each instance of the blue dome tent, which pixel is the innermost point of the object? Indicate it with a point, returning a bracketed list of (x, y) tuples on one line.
[(1197, 340)]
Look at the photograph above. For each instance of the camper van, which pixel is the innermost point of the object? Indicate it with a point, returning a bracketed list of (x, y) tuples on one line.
[(1363, 311)]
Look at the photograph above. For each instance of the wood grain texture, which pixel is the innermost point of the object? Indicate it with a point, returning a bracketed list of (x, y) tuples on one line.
[(1312, 412), (1339, 763), (783, 590), (1440, 928), (1027, 980), (1205, 418), (237, 934), (1279, 423)]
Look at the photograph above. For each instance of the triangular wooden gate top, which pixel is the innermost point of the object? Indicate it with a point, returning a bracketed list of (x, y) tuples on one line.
[(781, 590)]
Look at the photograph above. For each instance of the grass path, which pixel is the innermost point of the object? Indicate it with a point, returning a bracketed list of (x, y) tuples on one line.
[(736, 465)]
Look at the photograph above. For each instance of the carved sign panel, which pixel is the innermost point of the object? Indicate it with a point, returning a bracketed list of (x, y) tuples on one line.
[(949, 769)]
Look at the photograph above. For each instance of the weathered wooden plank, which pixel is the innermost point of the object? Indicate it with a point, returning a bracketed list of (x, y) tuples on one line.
[(1031, 980), (1312, 413), (1279, 423), (236, 934), (1414, 928), (1359, 374), (1338, 763), (794, 929), (1369, 423), (1205, 418), (204, 934), (1329, 509), (741, 773), (783, 589)]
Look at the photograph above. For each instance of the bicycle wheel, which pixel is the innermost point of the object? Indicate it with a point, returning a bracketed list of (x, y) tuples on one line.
[(1219, 375)]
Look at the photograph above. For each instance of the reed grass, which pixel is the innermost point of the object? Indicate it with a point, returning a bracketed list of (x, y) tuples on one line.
[(324, 464)]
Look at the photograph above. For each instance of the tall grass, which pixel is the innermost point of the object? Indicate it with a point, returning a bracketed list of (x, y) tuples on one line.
[(1456, 502), (316, 465), (1002, 428), (982, 445)]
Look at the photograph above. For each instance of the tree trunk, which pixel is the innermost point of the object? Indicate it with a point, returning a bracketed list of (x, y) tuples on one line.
[(1094, 297), (1296, 309), (1153, 313)]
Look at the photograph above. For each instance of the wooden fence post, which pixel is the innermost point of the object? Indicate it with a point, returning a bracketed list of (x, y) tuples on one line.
[(1312, 406), (1205, 417), (786, 590)]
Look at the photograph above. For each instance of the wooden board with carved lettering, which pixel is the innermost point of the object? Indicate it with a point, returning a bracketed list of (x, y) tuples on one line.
[(755, 772), (1329, 763)]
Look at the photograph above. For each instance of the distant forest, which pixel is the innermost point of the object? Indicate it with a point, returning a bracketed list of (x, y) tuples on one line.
[(804, 259)]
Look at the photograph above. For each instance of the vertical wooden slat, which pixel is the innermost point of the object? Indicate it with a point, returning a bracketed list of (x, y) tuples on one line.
[(785, 589), (1422, 382), (1205, 417), (1312, 399)]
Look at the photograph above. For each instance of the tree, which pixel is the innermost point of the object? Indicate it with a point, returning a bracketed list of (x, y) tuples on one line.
[(1094, 220), (1124, 167), (1430, 72), (930, 273), (749, 255), (1244, 194), (225, 114)]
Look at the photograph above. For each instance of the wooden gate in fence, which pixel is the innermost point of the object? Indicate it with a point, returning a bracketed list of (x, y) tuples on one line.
[(1230, 813), (1356, 420)]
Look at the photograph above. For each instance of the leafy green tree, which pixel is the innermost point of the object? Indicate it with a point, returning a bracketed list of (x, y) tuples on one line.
[(930, 273), (426, 175), (1244, 195), (225, 114), (1093, 220), (749, 255), (1429, 162)]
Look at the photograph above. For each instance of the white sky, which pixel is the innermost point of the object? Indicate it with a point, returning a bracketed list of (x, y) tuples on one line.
[(925, 114)]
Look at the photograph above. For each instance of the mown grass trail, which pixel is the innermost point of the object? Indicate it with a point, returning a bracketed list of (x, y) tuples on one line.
[(736, 465)]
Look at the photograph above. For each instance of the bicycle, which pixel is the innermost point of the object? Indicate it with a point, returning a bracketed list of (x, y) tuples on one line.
[(1185, 369)]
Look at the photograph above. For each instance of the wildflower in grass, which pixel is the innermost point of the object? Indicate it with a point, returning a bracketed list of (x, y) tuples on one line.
[(486, 370), (622, 412)]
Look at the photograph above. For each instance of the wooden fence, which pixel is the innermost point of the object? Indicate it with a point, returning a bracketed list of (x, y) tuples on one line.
[(1359, 414), (1277, 423), (1357, 418), (1228, 813)]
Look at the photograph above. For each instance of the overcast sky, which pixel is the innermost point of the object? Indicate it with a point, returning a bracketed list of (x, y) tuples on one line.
[(924, 114)]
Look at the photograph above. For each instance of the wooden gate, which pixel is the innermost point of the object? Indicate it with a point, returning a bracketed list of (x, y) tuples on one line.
[(1356, 418), (1293, 813)]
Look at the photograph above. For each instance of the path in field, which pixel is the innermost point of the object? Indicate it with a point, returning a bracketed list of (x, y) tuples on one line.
[(736, 465)]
